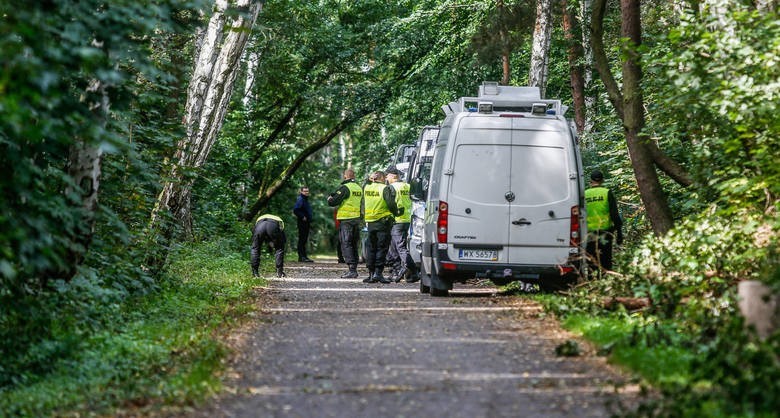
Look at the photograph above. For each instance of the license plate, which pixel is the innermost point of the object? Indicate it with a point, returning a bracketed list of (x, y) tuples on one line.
[(489, 255)]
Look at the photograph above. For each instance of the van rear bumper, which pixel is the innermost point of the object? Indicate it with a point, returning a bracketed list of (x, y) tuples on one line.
[(508, 272)]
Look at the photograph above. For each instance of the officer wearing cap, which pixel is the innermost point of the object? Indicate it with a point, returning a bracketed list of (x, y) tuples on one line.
[(398, 255), (604, 223), (348, 198), (380, 210), (268, 229)]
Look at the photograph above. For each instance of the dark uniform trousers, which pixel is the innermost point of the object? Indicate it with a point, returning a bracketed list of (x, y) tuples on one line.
[(378, 243), (349, 235), (268, 231), (303, 238), (599, 250), (398, 254)]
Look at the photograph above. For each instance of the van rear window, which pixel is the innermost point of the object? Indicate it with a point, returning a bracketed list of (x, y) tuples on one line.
[(536, 175)]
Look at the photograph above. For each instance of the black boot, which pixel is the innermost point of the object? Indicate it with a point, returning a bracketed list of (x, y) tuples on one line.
[(352, 273), (378, 277), (280, 272), (400, 275), (370, 278), (254, 272)]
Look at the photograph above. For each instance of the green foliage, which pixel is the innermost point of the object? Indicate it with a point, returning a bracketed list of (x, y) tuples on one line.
[(161, 348), (720, 73), (52, 52), (710, 83)]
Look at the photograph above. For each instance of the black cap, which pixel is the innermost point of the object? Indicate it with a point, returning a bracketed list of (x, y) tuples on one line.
[(597, 176), (393, 170)]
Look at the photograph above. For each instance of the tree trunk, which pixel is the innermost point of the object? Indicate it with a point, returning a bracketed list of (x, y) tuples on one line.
[(577, 80), (216, 66), (629, 107), (84, 167), (503, 40), (541, 45), (656, 204), (506, 69), (587, 52)]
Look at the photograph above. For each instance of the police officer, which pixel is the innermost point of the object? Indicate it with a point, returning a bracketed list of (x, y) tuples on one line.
[(604, 223), (398, 254), (348, 199), (268, 229), (380, 209)]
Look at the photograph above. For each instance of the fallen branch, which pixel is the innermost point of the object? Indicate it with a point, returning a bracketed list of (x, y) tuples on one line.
[(631, 304)]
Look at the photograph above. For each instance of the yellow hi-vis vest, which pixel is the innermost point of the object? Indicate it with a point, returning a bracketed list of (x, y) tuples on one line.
[(274, 217), (402, 200), (597, 206), (350, 207), (376, 208)]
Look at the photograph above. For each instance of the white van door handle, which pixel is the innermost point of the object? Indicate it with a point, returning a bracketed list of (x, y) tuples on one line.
[(521, 221)]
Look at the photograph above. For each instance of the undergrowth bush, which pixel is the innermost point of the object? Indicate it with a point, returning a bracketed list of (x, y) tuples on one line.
[(153, 348), (689, 278)]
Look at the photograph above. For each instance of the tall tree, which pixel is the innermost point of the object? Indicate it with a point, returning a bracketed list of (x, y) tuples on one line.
[(216, 67), (541, 45), (505, 28), (571, 29), (628, 103), (84, 167)]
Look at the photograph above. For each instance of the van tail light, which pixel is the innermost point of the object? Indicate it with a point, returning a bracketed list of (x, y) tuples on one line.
[(574, 228), (449, 266), (441, 223)]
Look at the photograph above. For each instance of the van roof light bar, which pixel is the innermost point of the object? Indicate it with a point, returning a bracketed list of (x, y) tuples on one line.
[(485, 107), (490, 88), (539, 109), (506, 98)]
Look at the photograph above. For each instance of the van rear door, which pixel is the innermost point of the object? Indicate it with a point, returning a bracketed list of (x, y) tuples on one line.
[(542, 193), (478, 209)]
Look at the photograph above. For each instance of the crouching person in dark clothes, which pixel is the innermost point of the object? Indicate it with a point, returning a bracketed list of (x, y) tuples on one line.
[(268, 229)]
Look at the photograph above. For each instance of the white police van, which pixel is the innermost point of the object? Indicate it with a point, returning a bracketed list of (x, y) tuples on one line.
[(506, 195)]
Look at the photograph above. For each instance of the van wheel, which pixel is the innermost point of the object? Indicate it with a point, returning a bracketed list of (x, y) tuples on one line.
[(435, 291), (552, 284), (424, 288), (439, 292)]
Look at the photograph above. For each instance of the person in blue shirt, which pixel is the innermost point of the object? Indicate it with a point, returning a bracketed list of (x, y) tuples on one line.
[(303, 213)]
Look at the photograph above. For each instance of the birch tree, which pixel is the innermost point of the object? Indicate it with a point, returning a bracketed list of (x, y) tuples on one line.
[(217, 61), (584, 14), (541, 45), (571, 28), (84, 168)]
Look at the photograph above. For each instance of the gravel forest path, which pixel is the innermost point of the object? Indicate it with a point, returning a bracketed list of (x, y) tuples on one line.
[(321, 346)]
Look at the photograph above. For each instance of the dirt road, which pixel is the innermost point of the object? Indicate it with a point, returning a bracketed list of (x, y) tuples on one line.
[(328, 347)]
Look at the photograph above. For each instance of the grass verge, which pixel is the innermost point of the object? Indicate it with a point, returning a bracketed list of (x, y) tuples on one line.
[(615, 336), (659, 356), (159, 349)]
